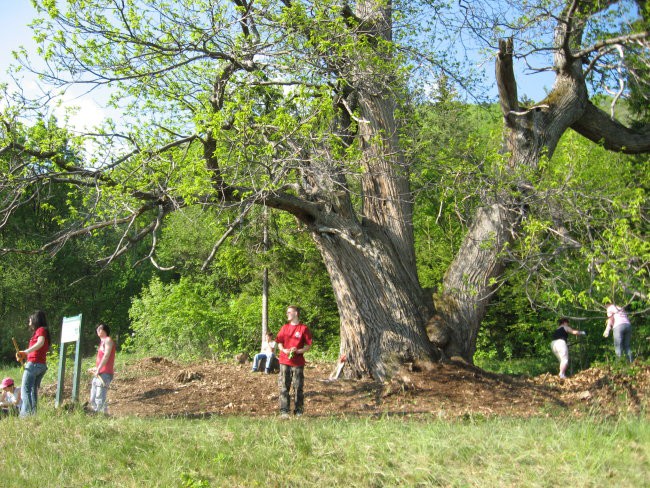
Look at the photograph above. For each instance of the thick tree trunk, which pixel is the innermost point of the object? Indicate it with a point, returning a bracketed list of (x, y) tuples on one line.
[(380, 303), (461, 304), (371, 257), (529, 135)]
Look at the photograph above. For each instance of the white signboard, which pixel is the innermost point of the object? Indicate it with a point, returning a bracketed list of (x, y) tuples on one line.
[(70, 329)]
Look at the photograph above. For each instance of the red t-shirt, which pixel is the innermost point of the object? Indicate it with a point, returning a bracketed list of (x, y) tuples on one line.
[(109, 367), (39, 355), (291, 335)]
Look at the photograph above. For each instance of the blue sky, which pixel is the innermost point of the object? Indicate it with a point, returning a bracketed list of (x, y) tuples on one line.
[(14, 33), (13, 28)]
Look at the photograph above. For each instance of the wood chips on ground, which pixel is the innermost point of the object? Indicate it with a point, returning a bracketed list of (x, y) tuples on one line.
[(160, 387)]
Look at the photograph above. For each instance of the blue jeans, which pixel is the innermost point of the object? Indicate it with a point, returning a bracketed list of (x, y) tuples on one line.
[(32, 377), (258, 358), (622, 340)]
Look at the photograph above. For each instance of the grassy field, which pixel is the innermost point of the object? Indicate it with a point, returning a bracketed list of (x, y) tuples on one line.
[(59, 449)]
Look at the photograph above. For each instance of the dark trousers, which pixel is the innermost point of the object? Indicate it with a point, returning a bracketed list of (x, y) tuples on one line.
[(289, 375)]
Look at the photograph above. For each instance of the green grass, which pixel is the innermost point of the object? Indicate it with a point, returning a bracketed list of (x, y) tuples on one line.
[(525, 366), (57, 449)]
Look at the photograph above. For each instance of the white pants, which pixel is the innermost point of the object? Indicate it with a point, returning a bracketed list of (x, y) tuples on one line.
[(98, 392), (561, 351)]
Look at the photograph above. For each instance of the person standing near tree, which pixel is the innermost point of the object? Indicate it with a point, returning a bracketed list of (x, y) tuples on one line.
[(36, 366), (559, 345), (294, 340), (618, 322), (103, 371)]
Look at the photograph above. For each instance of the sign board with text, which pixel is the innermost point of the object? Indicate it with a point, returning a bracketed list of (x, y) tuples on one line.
[(70, 329), (70, 332)]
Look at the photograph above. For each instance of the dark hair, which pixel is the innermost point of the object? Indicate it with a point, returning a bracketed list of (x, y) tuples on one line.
[(38, 320), (105, 328), (563, 320), (269, 333)]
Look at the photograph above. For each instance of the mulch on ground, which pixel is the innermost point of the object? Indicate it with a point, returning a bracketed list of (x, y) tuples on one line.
[(157, 386)]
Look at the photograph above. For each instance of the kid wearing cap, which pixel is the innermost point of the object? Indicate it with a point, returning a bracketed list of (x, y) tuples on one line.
[(10, 399)]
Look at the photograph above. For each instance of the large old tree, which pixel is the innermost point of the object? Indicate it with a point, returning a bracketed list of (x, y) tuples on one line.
[(294, 105), (581, 50)]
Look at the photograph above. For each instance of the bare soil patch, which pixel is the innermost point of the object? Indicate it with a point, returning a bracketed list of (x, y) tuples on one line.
[(160, 387)]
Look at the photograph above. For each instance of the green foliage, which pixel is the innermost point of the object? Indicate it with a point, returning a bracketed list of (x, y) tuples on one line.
[(453, 146), (177, 320), (593, 224), (261, 93), (219, 313)]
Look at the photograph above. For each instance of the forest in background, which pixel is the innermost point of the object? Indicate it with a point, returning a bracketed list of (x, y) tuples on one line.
[(189, 313), (163, 285)]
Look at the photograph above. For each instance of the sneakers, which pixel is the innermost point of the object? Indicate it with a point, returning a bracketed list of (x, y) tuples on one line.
[(253, 370), (267, 372), (284, 416)]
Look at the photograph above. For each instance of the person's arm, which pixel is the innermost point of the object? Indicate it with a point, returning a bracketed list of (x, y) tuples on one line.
[(609, 323), (40, 342), (573, 331), (304, 349), (608, 328)]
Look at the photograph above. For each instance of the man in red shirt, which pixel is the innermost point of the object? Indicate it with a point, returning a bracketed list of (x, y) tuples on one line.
[(293, 340)]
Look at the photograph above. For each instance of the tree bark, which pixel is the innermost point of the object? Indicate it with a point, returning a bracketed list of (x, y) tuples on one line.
[(462, 302), (529, 135), (380, 302)]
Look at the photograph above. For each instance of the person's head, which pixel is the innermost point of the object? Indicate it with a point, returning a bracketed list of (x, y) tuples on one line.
[(37, 320), (103, 330), (269, 335), (293, 313), (7, 384), (563, 321)]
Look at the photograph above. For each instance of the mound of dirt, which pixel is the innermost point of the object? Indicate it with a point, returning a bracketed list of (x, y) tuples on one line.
[(161, 387)]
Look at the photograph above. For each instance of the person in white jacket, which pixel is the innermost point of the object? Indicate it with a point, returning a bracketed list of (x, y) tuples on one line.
[(267, 352)]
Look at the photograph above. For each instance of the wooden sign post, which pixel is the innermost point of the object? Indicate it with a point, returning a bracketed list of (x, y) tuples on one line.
[(70, 332)]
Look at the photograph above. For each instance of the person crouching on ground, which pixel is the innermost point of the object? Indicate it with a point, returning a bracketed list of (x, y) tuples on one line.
[(267, 353), (294, 340), (559, 345), (10, 399), (103, 370)]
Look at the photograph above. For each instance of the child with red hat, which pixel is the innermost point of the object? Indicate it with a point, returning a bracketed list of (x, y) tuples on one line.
[(10, 400)]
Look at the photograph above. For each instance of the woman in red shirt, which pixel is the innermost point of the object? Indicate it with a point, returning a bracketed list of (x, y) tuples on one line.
[(36, 366), (103, 370)]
